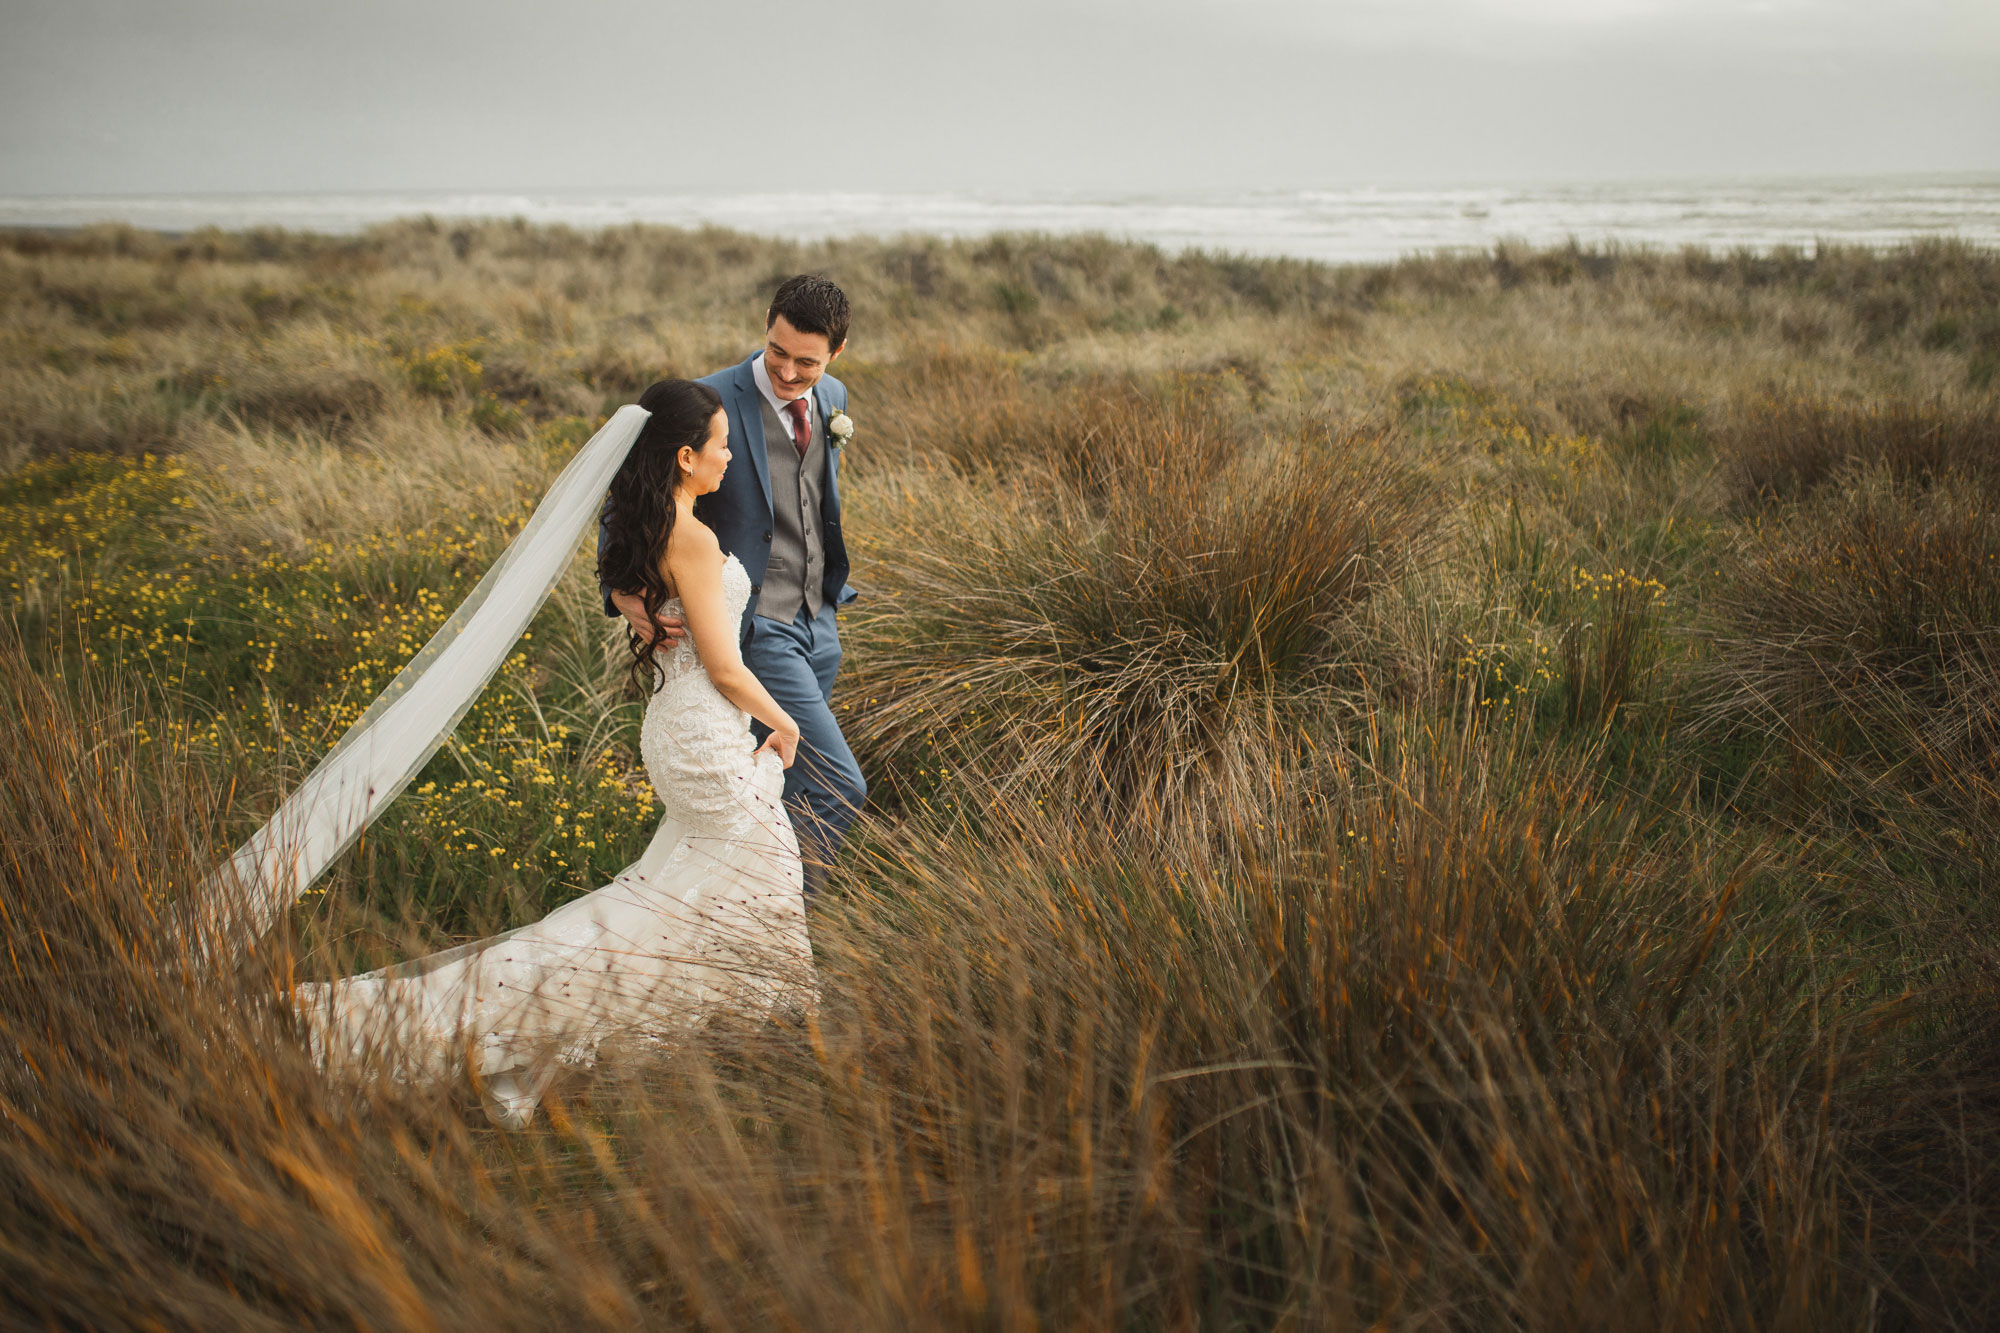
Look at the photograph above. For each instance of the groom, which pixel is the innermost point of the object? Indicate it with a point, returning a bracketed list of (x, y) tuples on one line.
[(778, 511)]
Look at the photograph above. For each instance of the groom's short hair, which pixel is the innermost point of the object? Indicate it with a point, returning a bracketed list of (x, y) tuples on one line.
[(812, 304)]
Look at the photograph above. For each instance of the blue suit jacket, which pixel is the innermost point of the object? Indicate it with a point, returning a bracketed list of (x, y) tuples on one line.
[(739, 511)]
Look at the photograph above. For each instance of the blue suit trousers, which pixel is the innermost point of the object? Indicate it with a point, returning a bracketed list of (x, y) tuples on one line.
[(824, 789)]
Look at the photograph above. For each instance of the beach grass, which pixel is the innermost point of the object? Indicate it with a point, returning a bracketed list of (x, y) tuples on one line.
[(1459, 793)]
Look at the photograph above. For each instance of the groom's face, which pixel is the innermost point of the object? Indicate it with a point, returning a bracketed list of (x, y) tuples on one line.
[(795, 360)]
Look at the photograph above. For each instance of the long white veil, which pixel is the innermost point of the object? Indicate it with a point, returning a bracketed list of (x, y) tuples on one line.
[(403, 728)]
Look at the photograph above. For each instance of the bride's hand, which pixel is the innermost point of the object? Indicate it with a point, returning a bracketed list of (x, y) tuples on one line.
[(784, 744)]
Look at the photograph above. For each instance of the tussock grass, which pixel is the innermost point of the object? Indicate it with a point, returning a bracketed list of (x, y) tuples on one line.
[(1864, 643), (1454, 793), (171, 1157), (1151, 609), (1785, 448), (1885, 602), (1430, 1048)]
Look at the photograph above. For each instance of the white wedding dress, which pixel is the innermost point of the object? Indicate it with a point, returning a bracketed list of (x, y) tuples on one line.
[(713, 915)]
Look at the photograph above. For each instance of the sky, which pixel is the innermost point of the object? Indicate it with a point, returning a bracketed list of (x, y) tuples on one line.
[(1091, 96)]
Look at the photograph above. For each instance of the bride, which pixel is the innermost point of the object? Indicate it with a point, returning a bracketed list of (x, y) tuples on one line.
[(713, 915)]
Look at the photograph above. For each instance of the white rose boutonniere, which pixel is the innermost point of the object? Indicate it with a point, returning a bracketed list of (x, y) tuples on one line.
[(841, 427)]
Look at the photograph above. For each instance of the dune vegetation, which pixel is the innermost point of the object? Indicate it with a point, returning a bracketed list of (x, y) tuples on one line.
[(1458, 794)]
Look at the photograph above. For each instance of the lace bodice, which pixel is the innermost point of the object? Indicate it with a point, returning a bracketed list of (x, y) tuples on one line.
[(735, 596), (695, 743)]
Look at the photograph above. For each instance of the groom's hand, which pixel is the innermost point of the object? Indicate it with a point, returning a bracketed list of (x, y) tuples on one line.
[(667, 629)]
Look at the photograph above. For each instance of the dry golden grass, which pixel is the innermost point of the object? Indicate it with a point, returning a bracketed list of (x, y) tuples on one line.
[(1159, 607), (1358, 1070), (1787, 448), (1455, 794)]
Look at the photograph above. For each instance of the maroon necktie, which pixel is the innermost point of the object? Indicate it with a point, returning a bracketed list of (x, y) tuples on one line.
[(801, 424)]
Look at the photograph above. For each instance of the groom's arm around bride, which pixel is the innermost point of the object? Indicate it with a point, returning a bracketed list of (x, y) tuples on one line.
[(778, 511)]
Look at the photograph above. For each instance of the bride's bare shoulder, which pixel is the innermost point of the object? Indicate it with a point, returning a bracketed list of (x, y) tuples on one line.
[(692, 548)]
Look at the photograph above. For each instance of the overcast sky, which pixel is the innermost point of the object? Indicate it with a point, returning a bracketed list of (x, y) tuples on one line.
[(115, 96)]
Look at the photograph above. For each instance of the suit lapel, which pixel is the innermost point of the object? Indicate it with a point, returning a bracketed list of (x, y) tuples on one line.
[(821, 415), (750, 411)]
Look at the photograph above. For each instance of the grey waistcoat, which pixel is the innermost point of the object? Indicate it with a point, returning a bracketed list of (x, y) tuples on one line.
[(798, 546)]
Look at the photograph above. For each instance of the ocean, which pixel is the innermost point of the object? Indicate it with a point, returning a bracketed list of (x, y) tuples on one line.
[(1348, 225)]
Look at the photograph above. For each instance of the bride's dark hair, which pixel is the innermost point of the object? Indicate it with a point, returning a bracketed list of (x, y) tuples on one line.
[(639, 514)]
